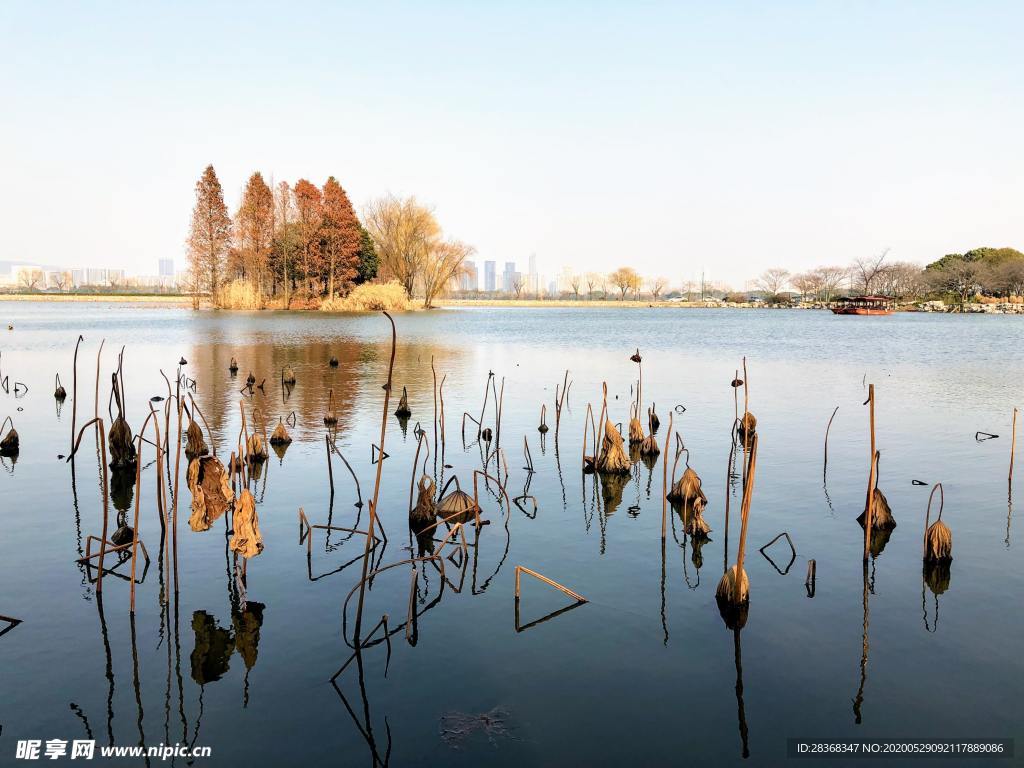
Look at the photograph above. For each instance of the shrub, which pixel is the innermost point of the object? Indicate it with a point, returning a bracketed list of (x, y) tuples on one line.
[(371, 297)]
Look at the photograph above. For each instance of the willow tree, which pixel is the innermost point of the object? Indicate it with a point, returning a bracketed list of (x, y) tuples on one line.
[(625, 279), (209, 237), (443, 264), (254, 232), (403, 232), (341, 236)]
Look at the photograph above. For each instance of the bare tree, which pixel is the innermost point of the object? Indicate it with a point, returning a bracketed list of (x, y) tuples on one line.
[(657, 286), (62, 280), (957, 276), (831, 279), (592, 279), (807, 283), (901, 280), (772, 281), (30, 279), (867, 273), (518, 284), (575, 282), (1007, 278)]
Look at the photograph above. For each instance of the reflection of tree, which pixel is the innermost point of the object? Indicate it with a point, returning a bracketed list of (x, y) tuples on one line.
[(210, 358)]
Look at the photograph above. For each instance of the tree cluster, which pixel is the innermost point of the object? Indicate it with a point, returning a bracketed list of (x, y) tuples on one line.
[(299, 240)]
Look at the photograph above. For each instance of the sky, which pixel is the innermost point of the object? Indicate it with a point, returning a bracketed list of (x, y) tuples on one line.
[(675, 137)]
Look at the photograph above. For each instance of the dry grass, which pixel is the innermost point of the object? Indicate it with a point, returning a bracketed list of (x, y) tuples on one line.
[(371, 297), (240, 294)]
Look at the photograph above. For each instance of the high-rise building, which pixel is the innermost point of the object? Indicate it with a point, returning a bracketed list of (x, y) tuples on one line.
[(166, 268), (490, 276), (469, 279), (532, 278), (508, 277)]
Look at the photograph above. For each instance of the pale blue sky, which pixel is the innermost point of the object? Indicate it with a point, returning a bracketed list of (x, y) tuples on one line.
[(669, 136)]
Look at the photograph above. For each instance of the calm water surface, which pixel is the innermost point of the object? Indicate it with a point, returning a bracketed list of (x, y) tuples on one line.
[(646, 672)]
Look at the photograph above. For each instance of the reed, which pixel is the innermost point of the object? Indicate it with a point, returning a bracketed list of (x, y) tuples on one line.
[(371, 297)]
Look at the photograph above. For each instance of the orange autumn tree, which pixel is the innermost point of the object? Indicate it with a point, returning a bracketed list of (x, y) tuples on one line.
[(254, 233), (309, 220), (341, 237), (209, 237)]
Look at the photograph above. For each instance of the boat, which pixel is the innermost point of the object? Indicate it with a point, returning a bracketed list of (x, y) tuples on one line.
[(864, 305)]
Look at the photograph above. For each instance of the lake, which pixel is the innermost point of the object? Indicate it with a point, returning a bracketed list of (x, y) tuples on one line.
[(645, 672)]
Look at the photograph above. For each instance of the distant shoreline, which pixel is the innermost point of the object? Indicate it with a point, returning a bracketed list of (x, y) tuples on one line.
[(126, 298), (185, 302)]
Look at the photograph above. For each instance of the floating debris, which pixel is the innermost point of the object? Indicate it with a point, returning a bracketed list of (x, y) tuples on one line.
[(457, 727), (233, 366), (288, 375)]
